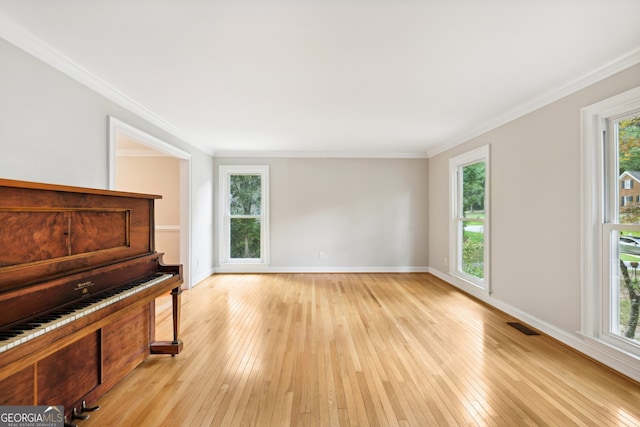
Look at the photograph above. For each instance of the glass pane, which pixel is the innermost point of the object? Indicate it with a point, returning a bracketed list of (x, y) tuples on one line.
[(628, 136), (473, 190), (625, 294), (473, 248), (245, 238), (245, 195)]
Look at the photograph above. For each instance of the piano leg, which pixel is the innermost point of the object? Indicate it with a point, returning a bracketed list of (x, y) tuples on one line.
[(175, 302), (171, 347)]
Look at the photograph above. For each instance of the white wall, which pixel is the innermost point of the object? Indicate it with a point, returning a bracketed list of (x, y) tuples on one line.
[(54, 130), (364, 214), (536, 211)]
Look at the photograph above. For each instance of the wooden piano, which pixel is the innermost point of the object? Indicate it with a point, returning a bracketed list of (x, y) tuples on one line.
[(79, 276)]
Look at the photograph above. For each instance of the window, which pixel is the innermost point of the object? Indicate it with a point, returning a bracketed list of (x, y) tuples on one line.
[(244, 214), (626, 184), (611, 222), (469, 226)]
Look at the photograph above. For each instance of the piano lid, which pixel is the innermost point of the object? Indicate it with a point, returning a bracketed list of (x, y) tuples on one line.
[(71, 189)]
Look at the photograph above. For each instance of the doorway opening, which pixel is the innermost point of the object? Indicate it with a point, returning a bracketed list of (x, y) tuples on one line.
[(141, 163)]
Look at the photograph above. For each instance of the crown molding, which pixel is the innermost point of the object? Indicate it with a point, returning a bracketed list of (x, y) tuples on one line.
[(320, 154), (34, 46), (26, 41), (617, 65)]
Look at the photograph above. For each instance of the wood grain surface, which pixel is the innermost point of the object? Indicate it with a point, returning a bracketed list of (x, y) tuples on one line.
[(360, 350)]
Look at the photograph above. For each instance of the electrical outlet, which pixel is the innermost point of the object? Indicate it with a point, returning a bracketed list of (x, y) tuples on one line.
[(321, 254), (446, 261)]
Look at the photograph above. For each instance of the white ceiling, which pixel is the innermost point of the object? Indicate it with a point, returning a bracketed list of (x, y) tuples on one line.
[(368, 77)]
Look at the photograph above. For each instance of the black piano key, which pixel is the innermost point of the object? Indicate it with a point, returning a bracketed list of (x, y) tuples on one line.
[(25, 327), (76, 307), (45, 319), (9, 334)]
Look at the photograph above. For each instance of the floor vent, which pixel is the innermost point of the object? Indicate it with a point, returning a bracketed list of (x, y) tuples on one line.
[(522, 328)]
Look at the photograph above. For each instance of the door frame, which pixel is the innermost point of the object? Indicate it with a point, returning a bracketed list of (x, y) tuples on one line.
[(118, 127)]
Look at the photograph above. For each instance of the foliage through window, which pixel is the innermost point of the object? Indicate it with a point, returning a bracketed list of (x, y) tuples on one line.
[(469, 241), (624, 293), (244, 207), (611, 223), (245, 212)]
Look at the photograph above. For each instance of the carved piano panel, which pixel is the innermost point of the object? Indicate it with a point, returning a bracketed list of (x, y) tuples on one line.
[(31, 235), (53, 230), (79, 275), (79, 362), (126, 343), (19, 388)]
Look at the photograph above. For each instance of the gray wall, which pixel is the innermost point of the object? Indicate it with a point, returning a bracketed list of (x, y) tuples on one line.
[(536, 210), (54, 130), (364, 214)]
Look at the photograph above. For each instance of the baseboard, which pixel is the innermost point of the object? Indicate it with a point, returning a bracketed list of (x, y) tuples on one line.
[(199, 278), (271, 269), (626, 364)]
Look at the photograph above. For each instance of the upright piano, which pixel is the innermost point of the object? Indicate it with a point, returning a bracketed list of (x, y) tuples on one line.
[(79, 276)]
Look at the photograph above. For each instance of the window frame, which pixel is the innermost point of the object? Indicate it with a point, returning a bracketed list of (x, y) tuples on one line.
[(225, 172), (456, 205), (600, 197)]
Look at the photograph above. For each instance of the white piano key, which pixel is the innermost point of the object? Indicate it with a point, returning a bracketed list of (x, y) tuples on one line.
[(27, 335)]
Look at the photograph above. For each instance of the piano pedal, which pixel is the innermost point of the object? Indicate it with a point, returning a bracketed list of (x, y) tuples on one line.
[(78, 416), (67, 424), (86, 408)]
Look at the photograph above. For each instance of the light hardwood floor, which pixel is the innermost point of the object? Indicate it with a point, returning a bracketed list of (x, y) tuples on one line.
[(360, 350)]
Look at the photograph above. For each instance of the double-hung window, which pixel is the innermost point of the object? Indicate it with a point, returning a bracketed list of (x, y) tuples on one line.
[(611, 222), (244, 215), (469, 218)]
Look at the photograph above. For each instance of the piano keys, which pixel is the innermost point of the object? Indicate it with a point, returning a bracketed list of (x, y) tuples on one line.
[(23, 332), (79, 275)]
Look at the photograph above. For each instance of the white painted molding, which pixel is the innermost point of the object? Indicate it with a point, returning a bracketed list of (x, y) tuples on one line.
[(118, 126), (139, 153), (224, 176), (320, 154), (624, 363), (480, 154), (167, 228), (269, 269), (202, 276), (34, 46), (26, 41), (617, 65)]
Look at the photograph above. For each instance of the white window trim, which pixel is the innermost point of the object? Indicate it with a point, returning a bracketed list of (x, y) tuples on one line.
[(595, 270), (225, 171), (480, 154)]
